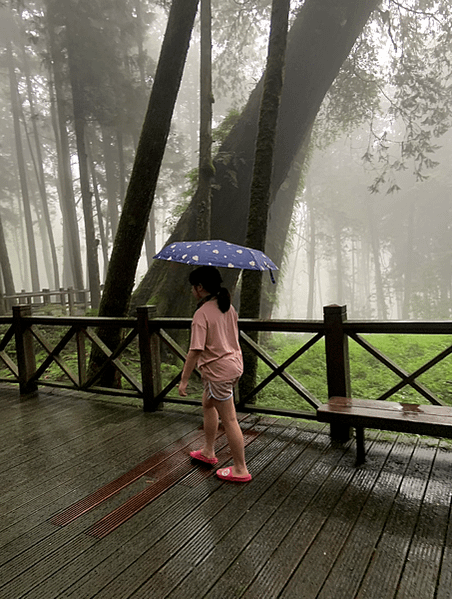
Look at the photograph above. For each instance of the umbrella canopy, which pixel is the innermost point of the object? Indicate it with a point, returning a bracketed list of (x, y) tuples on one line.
[(216, 253)]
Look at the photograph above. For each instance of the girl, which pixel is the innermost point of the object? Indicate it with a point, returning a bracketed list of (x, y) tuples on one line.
[(215, 349)]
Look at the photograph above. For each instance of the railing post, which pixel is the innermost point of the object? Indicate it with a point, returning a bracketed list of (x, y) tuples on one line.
[(149, 344), (81, 358), (46, 296), (337, 362), (26, 361)]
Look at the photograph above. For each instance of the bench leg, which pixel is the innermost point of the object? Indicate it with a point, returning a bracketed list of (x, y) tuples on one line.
[(360, 450)]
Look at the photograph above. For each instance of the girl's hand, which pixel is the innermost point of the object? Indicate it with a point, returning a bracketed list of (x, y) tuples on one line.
[(182, 388)]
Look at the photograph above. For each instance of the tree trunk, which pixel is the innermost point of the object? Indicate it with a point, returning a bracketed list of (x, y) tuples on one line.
[(312, 239), (121, 166), (374, 239), (409, 263), (79, 127), (251, 291), (72, 251), (110, 180), (40, 175), (320, 39), (338, 249), (33, 260), (205, 171), (5, 264), (100, 220), (263, 165), (140, 192)]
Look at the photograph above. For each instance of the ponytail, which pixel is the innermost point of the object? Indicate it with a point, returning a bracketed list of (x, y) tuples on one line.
[(224, 299), (209, 277)]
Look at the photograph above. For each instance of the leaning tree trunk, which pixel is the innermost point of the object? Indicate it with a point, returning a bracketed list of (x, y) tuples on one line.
[(263, 164), (320, 40), (140, 192)]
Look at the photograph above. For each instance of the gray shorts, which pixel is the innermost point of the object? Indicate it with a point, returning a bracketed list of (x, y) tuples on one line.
[(220, 390)]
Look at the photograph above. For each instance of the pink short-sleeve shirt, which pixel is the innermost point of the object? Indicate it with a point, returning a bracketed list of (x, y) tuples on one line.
[(217, 335)]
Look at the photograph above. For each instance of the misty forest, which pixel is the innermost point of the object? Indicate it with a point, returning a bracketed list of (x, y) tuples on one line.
[(106, 156)]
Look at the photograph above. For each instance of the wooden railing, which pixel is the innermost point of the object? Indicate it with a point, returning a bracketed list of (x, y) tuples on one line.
[(69, 299), (25, 334)]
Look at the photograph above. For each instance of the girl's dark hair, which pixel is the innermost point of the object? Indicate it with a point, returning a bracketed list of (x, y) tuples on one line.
[(209, 277)]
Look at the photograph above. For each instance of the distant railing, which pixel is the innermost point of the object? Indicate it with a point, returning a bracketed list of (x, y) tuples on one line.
[(24, 334), (69, 299)]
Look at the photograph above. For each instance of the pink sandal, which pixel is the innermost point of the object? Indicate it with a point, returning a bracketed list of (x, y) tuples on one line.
[(197, 455), (226, 474)]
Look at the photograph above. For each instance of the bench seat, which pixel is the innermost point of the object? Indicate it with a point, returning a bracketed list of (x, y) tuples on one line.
[(435, 421)]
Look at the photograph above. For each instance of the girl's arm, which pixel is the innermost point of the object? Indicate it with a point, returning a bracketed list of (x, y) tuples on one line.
[(190, 364)]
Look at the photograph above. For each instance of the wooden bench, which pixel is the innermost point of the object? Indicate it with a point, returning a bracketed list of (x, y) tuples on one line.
[(344, 412)]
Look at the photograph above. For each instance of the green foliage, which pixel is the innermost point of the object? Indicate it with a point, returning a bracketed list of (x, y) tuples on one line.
[(370, 378), (220, 133)]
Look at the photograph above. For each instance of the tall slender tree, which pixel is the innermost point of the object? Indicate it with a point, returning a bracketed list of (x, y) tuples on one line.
[(39, 168), (15, 103), (206, 170), (250, 296), (73, 34), (72, 268)]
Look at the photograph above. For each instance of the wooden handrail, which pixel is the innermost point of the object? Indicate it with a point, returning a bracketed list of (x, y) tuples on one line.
[(22, 331)]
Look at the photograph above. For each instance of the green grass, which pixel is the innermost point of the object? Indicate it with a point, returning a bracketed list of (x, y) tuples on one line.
[(369, 377)]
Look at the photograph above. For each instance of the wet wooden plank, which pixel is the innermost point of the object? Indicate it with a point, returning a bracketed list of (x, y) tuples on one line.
[(309, 524), (319, 495), (423, 563), (39, 501), (391, 550), (235, 526), (174, 533), (344, 578), (264, 525), (329, 543)]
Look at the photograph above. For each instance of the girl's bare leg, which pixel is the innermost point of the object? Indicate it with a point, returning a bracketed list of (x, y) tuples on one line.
[(228, 416), (210, 426)]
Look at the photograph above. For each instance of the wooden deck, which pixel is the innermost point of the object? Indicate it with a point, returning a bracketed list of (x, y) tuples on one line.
[(100, 500)]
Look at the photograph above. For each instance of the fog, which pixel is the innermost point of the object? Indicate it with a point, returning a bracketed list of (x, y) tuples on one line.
[(371, 227)]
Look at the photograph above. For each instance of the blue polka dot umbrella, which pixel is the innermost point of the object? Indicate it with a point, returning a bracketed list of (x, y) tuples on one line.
[(216, 253)]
